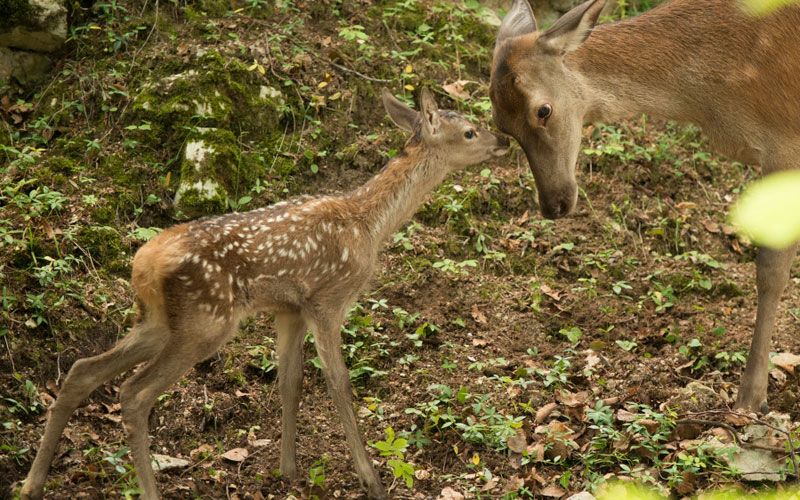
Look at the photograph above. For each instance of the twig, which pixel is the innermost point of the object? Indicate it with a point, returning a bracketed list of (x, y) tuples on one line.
[(10, 355), (348, 70)]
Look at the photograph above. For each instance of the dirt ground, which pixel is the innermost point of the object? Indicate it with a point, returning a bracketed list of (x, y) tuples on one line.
[(492, 341)]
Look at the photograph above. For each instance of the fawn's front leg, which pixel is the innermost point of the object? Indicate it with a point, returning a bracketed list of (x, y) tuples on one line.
[(328, 342), (772, 274), (291, 332)]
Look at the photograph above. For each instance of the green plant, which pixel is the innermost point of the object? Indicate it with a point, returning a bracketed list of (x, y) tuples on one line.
[(395, 449)]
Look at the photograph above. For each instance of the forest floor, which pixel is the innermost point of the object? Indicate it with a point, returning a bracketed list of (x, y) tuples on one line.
[(497, 354)]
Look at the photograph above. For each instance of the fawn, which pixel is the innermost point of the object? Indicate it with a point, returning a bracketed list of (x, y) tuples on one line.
[(305, 260)]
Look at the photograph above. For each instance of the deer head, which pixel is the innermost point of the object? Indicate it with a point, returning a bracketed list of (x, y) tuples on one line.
[(539, 100), (455, 140)]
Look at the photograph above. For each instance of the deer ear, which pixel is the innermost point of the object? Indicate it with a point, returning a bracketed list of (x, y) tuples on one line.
[(518, 21), (430, 113), (569, 32), (402, 116)]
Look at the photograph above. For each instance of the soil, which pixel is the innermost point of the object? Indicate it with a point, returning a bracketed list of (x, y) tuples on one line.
[(650, 221)]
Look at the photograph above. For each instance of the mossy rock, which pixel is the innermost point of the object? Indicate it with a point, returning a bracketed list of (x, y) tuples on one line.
[(213, 91), (104, 245), (210, 166)]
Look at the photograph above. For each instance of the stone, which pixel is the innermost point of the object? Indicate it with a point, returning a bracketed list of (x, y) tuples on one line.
[(210, 157), (25, 68), (37, 25)]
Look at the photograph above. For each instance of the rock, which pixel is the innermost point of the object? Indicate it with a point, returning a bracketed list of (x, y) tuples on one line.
[(166, 462), (26, 68), (757, 465), (38, 25), (210, 156)]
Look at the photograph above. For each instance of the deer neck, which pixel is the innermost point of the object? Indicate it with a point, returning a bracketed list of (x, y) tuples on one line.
[(632, 67), (389, 200)]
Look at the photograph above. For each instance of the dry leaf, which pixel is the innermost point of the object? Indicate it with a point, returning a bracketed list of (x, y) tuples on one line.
[(553, 294), (518, 442), (478, 316), (456, 89), (480, 342), (236, 454), (525, 217), (203, 448), (572, 399), (449, 493), (624, 415), (513, 484), (786, 361), (552, 491), (544, 412)]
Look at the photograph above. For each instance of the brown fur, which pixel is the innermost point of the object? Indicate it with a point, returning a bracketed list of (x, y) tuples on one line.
[(699, 61)]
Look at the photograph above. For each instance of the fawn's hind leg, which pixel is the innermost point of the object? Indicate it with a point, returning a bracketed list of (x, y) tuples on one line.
[(143, 342), (138, 393), (291, 332)]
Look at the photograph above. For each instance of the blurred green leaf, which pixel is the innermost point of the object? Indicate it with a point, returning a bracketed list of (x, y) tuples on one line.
[(769, 211), (764, 7)]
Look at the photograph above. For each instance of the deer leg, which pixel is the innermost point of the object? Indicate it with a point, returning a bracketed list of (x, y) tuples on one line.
[(84, 377), (772, 275), (138, 394), (291, 332), (328, 342)]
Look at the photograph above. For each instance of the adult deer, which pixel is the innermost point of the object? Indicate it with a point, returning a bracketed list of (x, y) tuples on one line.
[(700, 61), (306, 260)]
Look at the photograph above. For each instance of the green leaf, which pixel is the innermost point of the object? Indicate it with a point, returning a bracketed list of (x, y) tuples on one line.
[(767, 212), (764, 7)]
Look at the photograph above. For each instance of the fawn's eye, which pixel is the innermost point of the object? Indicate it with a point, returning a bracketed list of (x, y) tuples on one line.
[(544, 112), (469, 134)]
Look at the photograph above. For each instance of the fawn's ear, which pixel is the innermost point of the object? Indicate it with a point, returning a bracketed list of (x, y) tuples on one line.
[(402, 116), (430, 113)]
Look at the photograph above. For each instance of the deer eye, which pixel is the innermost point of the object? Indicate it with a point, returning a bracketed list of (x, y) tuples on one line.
[(469, 134), (544, 112)]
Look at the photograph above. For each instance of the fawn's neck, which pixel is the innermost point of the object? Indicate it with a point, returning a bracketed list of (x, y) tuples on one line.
[(389, 200)]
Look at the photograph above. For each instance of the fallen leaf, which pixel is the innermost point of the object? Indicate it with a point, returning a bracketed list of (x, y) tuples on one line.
[(552, 491), (513, 484), (786, 361), (478, 316), (518, 442), (449, 493), (480, 342), (422, 474), (203, 448), (572, 399), (525, 217), (553, 294), (490, 484), (236, 454), (544, 412), (624, 415), (456, 89)]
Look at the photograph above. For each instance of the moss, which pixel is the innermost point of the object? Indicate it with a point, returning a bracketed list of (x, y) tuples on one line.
[(17, 12), (61, 165), (104, 245)]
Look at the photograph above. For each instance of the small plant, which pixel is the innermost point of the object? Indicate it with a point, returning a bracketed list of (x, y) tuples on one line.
[(395, 449)]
